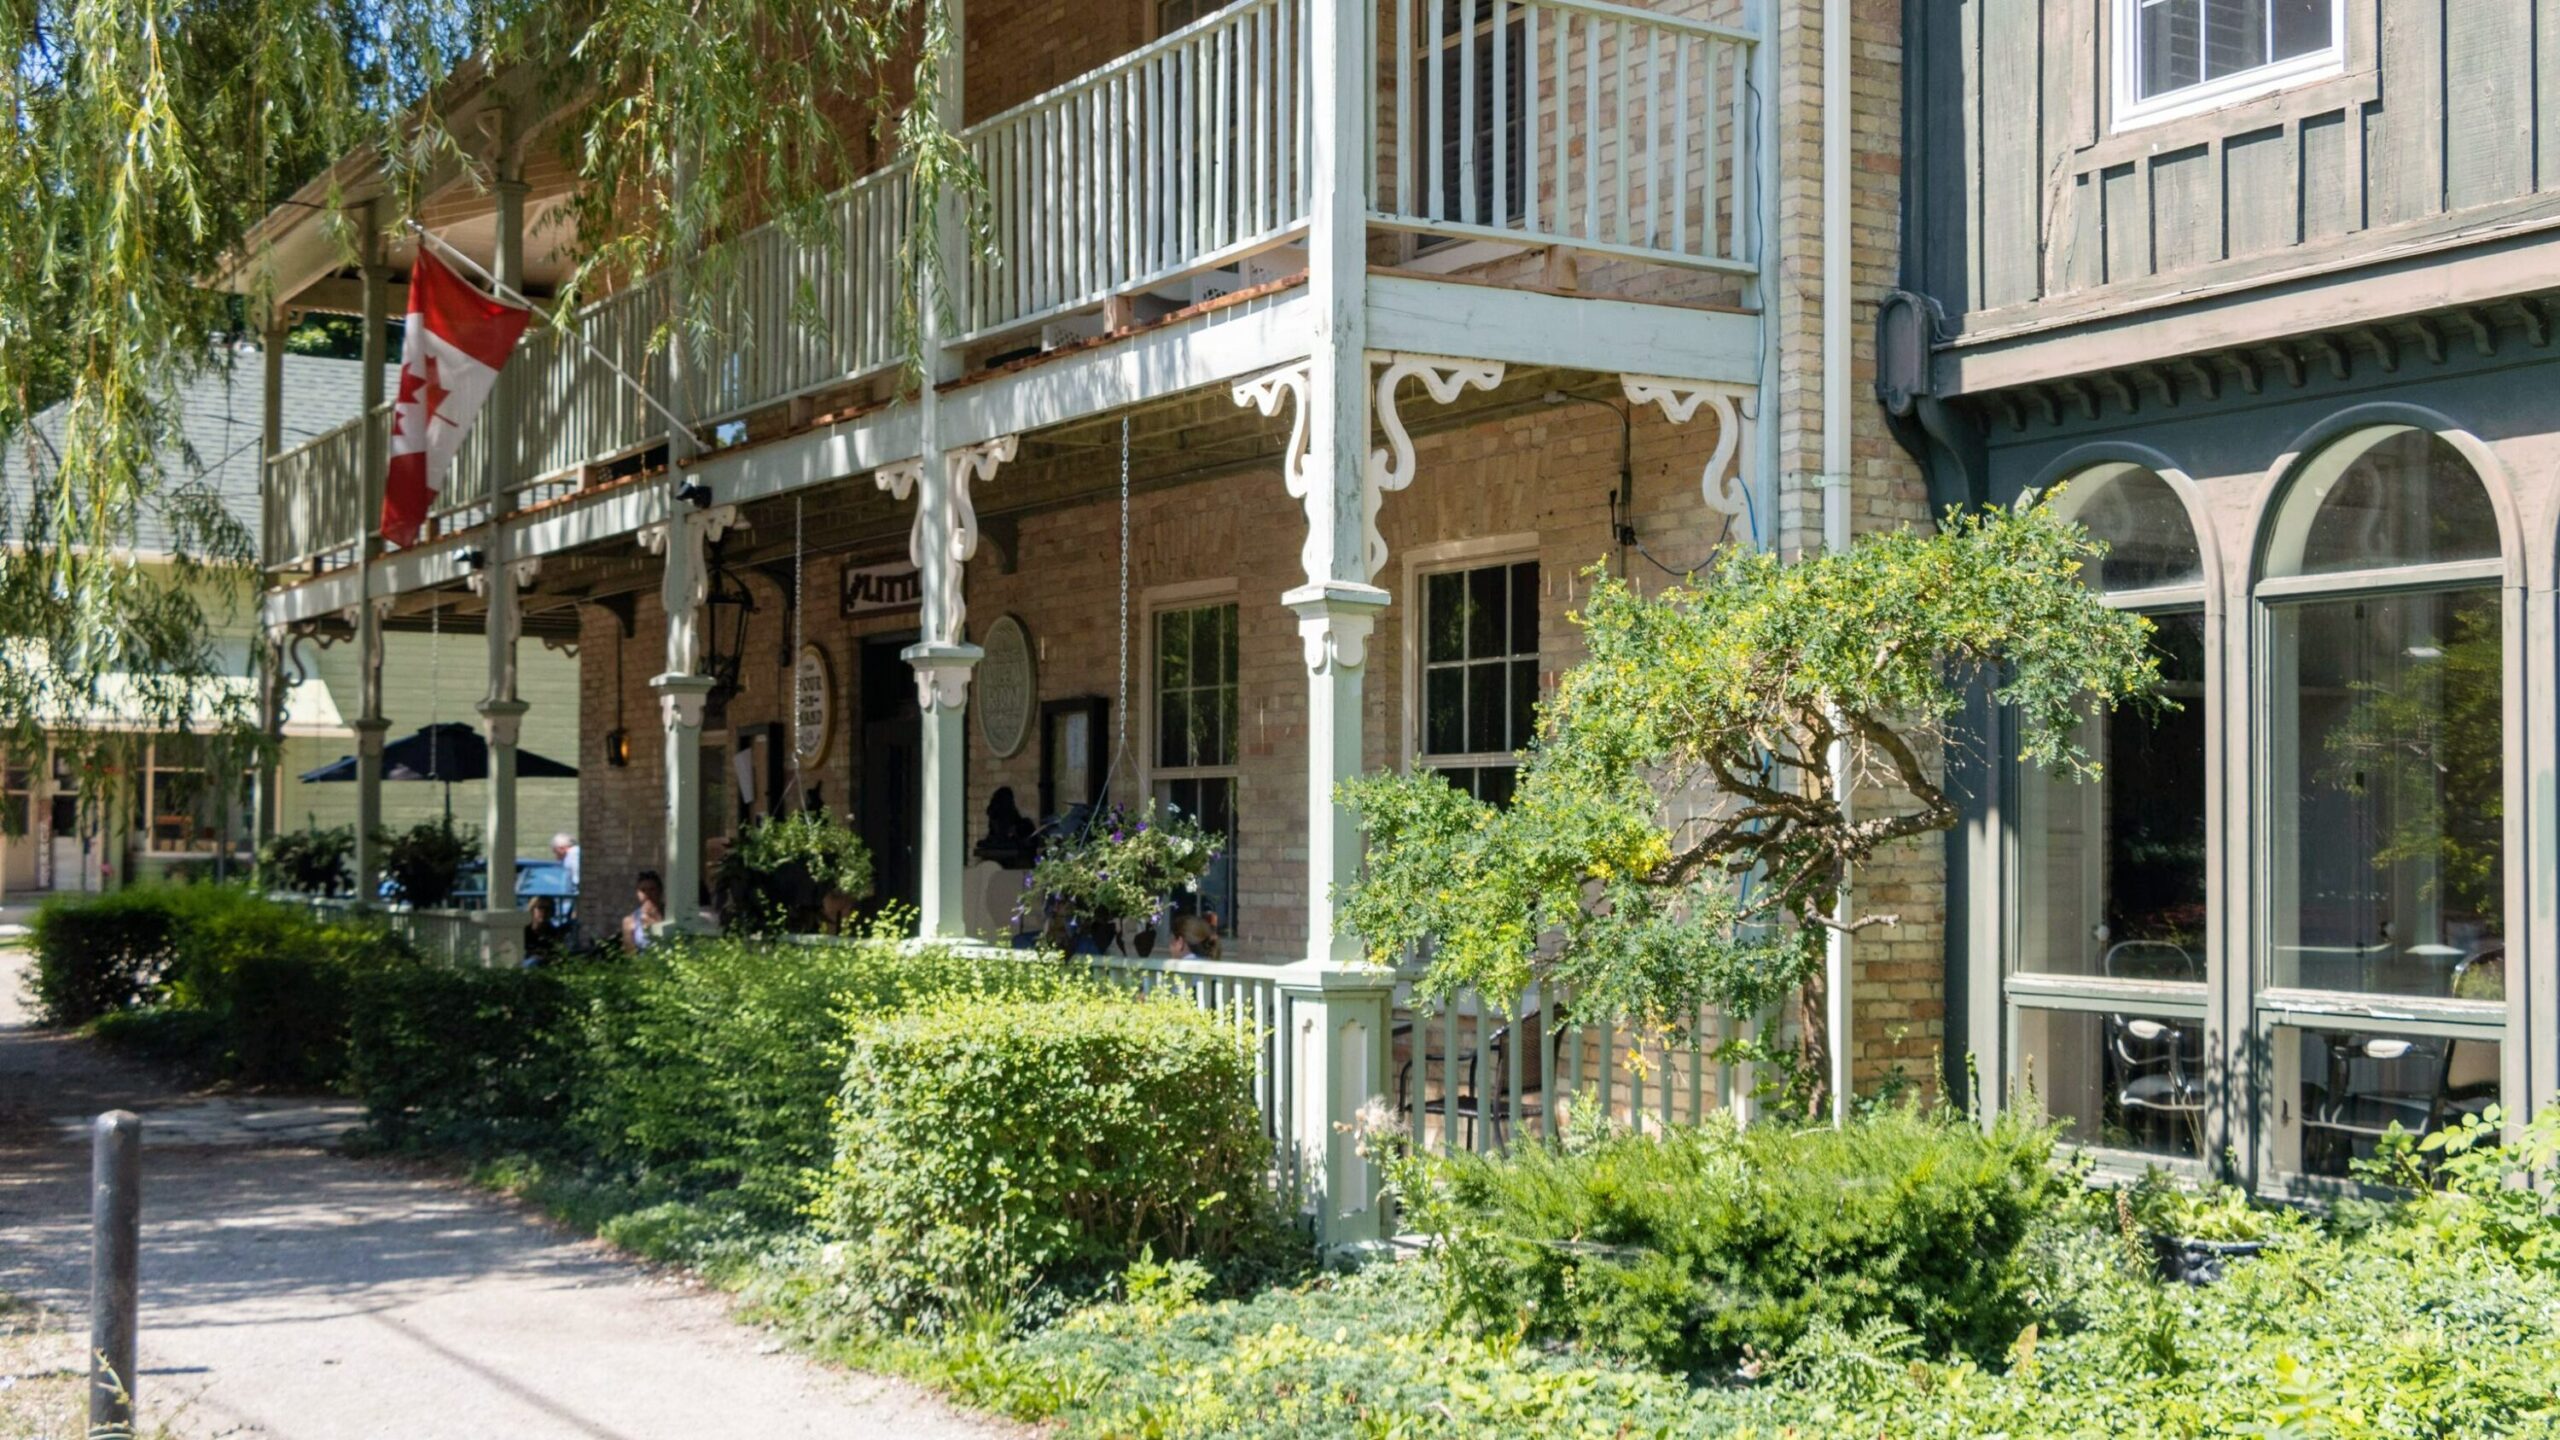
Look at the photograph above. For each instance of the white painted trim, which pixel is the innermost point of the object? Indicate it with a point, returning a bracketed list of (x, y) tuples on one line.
[(1574, 332), (1441, 557), (2130, 112), (1219, 347)]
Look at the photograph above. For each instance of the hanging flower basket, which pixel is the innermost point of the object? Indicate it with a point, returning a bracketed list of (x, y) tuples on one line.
[(1120, 866)]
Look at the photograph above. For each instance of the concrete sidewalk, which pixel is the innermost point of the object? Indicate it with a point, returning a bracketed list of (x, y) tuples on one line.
[(291, 1293)]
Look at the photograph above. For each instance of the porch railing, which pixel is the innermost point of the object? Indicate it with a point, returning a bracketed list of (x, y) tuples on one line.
[(1175, 158), (1469, 1075), (315, 497), (575, 410), (1573, 122)]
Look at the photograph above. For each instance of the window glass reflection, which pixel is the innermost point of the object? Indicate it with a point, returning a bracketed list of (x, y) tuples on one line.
[(2389, 793), (2125, 1082), (2150, 542), (2406, 498), (2115, 867), (2354, 1086)]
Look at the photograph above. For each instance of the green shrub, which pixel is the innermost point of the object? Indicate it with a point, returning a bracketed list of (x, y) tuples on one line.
[(424, 862), (99, 954), (309, 861), (715, 1068), (475, 1060), (1685, 1250), (212, 976), (992, 1149)]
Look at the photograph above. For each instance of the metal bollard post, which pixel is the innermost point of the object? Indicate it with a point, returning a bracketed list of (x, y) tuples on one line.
[(115, 1225)]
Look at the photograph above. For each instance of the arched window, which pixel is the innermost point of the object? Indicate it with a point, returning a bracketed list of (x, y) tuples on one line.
[(2108, 991), (2385, 793)]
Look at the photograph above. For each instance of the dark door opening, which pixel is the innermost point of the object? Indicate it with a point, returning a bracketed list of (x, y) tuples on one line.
[(892, 770)]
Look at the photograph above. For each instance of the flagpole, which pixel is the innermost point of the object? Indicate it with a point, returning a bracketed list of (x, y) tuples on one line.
[(505, 291)]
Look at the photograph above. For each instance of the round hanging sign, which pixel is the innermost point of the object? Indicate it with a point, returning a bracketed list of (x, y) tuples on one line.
[(1007, 688), (813, 705)]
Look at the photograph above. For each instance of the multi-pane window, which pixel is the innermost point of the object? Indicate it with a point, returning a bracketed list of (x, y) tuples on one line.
[(1196, 720), (184, 801), (2177, 51), (1479, 674), (2113, 869), (2386, 876)]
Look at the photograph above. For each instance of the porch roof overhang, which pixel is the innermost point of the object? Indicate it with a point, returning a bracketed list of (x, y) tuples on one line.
[(1219, 344)]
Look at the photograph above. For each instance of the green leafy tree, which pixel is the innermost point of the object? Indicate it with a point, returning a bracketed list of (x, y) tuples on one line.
[(144, 141), (1678, 836)]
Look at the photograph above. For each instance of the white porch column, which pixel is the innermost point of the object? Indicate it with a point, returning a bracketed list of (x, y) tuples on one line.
[(944, 536), (942, 690), (498, 579), (682, 693), (270, 644), (369, 723)]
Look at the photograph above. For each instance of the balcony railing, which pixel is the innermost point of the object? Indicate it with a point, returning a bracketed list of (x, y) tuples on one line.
[(1569, 122), (315, 497), (1175, 158), (1566, 122)]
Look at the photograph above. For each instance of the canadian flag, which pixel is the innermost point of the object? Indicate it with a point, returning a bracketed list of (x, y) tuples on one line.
[(458, 339)]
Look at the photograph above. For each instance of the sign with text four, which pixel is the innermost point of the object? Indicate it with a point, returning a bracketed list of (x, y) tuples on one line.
[(881, 589), (813, 706)]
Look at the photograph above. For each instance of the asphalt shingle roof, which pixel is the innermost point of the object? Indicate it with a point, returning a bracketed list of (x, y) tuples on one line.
[(220, 412)]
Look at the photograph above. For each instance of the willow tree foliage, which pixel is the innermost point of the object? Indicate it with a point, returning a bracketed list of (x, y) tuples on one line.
[(1678, 837), (145, 137)]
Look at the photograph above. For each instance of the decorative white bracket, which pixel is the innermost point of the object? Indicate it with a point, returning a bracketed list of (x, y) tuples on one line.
[(941, 567), (505, 620), (1727, 481), (682, 537), (369, 661), (1266, 393), (701, 529), (942, 674), (1391, 468), (1386, 469)]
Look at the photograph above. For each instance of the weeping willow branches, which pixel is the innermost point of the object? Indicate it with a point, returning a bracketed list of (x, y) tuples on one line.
[(145, 140)]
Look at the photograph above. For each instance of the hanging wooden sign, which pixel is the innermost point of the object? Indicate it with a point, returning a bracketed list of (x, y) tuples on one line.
[(881, 589), (813, 706), (1006, 686)]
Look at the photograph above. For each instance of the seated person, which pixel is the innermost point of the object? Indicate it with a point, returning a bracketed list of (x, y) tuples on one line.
[(649, 912)]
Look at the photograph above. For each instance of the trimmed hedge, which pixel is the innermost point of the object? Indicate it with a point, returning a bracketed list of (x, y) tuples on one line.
[(214, 976), (713, 1064), (1685, 1250), (480, 1061), (988, 1150), (704, 1068)]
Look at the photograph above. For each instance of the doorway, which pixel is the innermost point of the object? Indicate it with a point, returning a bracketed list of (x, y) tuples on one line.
[(892, 770)]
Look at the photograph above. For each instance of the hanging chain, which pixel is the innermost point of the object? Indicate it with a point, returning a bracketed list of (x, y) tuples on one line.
[(435, 686), (799, 622), (1123, 712)]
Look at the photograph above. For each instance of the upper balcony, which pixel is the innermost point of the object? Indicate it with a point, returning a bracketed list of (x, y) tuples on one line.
[(1171, 179)]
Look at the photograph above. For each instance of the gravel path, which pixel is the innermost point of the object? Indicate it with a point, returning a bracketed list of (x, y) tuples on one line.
[(289, 1292)]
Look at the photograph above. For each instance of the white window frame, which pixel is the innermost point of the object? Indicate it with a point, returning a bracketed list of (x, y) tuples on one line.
[(2132, 112), (1441, 559), (1155, 601)]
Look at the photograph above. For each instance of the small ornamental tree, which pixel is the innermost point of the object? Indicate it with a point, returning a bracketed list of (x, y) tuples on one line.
[(1678, 836)]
